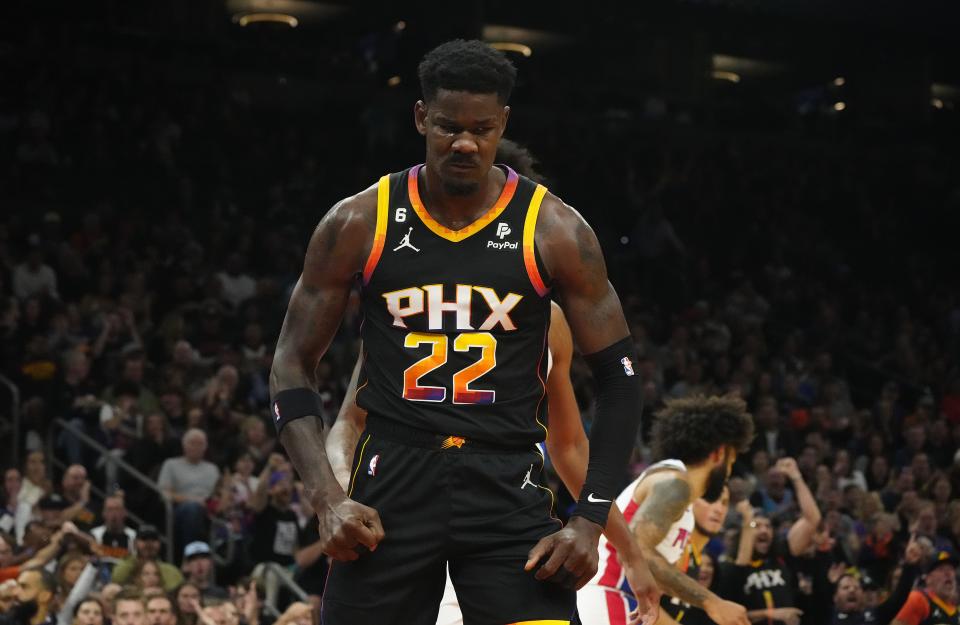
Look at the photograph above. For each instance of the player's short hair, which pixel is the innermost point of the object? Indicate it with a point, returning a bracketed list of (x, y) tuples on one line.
[(462, 65), (519, 158), (689, 429)]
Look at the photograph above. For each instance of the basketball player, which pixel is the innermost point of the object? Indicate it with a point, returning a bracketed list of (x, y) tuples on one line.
[(456, 260), (567, 444), (698, 439)]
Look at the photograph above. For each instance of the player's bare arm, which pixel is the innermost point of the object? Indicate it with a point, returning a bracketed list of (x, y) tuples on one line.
[(574, 261), (334, 257), (346, 430), (569, 447), (663, 497)]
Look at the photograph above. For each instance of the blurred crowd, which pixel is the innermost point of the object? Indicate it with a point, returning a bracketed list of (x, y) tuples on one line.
[(153, 239)]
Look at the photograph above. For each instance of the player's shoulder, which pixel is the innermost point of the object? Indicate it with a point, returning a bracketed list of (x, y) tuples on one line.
[(557, 218), (666, 482)]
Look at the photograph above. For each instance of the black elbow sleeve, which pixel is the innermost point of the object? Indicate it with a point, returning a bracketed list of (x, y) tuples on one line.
[(614, 428)]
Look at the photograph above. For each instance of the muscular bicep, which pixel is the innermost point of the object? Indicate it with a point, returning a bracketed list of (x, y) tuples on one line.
[(663, 504), (575, 261), (333, 260)]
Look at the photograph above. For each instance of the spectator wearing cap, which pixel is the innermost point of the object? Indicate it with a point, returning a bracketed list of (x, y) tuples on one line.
[(275, 527), (114, 536), (936, 603), (51, 508), (198, 568), (188, 481), (147, 545), (850, 605)]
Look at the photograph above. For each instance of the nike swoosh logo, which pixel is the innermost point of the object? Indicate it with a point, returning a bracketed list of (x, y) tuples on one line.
[(593, 499)]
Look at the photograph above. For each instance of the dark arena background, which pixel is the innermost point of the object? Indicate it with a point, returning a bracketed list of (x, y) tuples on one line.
[(775, 185)]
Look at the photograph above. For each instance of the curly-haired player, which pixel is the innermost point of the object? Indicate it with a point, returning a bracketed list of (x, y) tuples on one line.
[(697, 440)]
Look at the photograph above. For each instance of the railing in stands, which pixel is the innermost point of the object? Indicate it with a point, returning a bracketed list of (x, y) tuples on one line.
[(272, 576), (121, 465), (14, 419)]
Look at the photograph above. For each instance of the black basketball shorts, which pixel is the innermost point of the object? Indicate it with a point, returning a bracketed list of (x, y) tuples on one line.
[(445, 499)]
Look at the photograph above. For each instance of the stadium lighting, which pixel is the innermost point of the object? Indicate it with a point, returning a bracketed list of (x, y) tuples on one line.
[(839, 106), (839, 81), (269, 18), (508, 46), (393, 81), (720, 74)]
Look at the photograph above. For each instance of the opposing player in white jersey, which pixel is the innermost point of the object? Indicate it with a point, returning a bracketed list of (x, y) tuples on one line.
[(698, 439), (566, 444)]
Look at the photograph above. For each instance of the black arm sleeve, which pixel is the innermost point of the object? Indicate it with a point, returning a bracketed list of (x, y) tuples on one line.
[(614, 429), (887, 610)]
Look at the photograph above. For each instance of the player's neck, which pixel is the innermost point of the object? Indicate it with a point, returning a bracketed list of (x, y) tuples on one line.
[(457, 211), (698, 476)]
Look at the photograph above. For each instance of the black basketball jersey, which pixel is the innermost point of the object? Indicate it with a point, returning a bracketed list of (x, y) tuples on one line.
[(681, 611), (455, 322)]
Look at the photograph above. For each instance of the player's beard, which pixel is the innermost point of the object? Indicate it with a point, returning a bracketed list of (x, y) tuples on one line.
[(459, 187), (716, 480)]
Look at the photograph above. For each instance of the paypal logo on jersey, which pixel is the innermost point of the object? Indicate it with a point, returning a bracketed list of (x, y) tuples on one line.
[(503, 230)]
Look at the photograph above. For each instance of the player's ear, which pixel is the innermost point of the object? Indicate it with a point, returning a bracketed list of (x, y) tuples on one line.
[(504, 118), (420, 117)]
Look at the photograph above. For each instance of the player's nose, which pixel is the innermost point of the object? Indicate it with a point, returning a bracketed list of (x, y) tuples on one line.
[(465, 145)]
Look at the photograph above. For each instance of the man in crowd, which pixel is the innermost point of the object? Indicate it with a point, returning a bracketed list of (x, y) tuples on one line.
[(34, 598), (147, 547), (849, 600), (936, 604), (768, 584), (160, 611), (198, 569), (275, 526), (188, 481), (75, 490), (129, 609), (116, 538)]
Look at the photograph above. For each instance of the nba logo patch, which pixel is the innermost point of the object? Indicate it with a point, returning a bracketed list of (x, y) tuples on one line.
[(372, 469), (276, 410), (627, 365)]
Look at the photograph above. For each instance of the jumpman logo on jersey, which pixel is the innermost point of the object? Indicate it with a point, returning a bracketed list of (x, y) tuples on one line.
[(526, 479), (405, 242)]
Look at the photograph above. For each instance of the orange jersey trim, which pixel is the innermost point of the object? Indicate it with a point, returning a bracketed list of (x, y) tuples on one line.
[(529, 228), (380, 235), (459, 235)]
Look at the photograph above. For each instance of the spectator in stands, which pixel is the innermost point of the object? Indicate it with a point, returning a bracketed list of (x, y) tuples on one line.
[(75, 490), (937, 602), (256, 441), (34, 277), (198, 569), (850, 606), (186, 597), (146, 576), (115, 537), (770, 580), (129, 609), (236, 286), (188, 481), (14, 514), (160, 611), (89, 612), (147, 547), (35, 592), (35, 482), (275, 526)]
